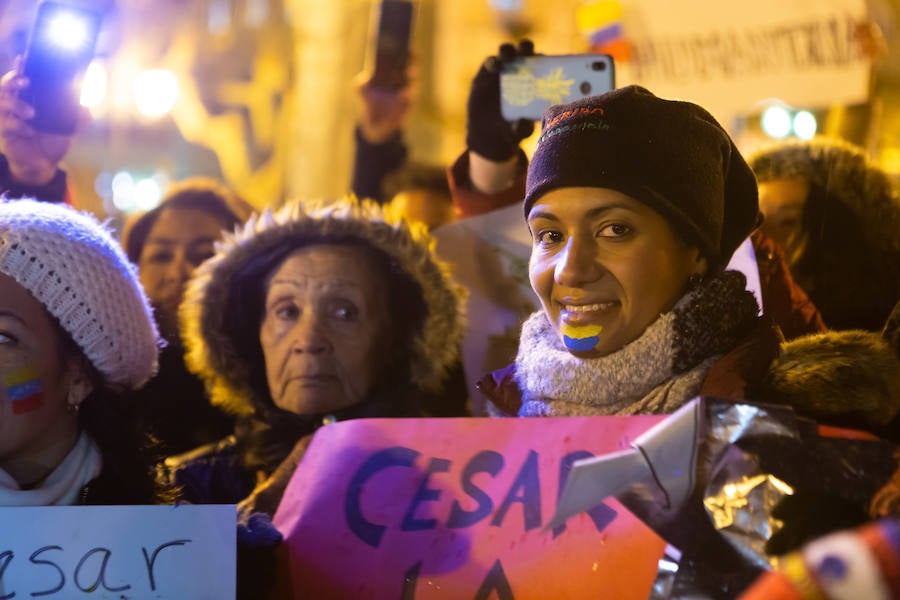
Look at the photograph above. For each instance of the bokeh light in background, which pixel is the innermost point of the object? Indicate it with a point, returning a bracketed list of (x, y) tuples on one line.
[(155, 92), (128, 193), (123, 191), (779, 121), (776, 122), (147, 194), (804, 125), (93, 87)]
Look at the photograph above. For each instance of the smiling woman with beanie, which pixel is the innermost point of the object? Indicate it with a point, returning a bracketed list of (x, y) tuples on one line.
[(635, 204), (76, 335)]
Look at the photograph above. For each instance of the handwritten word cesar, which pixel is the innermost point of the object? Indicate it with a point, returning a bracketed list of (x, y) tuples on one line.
[(524, 490), (89, 575)]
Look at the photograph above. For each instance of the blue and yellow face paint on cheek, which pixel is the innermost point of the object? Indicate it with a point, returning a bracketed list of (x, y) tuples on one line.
[(24, 389), (580, 338)]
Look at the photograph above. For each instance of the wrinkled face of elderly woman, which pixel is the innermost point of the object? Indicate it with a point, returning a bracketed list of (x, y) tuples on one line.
[(604, 266), (325, 328), (36, 384)]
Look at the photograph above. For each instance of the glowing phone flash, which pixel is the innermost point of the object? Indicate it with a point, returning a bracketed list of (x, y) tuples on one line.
[(68, 31)]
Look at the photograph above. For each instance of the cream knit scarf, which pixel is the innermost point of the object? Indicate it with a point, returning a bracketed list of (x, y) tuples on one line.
[(656, 373), (62, 486)]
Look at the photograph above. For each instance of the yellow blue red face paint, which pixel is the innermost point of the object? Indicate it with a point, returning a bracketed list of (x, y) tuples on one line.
[(24, 389), (580, 338)]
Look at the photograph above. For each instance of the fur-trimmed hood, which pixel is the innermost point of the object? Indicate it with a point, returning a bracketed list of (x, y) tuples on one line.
[(842, 378), (846, 173), (210, 350)]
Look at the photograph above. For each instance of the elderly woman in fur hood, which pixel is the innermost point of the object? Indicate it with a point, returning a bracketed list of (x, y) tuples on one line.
[(305, 317), (634, 204), (837, 216)]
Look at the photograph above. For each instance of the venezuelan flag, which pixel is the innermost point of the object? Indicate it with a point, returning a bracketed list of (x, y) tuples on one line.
[(24, 389), (580, 338)]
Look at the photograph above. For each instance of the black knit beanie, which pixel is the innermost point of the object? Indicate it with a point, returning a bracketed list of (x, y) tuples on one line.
[(671, 155)]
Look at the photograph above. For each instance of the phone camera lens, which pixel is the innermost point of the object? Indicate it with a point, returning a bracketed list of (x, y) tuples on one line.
[(598, 65), (585, 88)]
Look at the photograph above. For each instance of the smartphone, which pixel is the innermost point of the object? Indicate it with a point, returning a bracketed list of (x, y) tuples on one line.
[(392, 41), (532, 84), (60, 47)]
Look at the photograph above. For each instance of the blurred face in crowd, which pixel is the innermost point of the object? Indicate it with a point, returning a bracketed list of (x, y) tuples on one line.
[(180, 239), (605, 266), (36, 428), (423, 206), (781, 201), (324, 332)]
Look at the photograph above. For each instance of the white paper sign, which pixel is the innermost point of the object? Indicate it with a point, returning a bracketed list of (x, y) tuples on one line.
[(116, 552), (730, 56), (489, 256)]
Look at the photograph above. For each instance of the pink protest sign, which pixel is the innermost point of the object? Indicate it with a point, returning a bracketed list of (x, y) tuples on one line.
[(458, 508)]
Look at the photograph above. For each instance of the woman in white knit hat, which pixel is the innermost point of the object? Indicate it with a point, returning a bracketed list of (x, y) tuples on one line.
[(76, 335)]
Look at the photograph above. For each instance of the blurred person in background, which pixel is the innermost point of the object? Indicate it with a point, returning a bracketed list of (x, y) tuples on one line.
[(167, 244), (381, 167), (419, 193), (380, 148), (837, 217), (305, 317), (77, 336)]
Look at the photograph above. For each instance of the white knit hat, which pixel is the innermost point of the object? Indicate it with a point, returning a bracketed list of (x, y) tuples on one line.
[(73, 266)]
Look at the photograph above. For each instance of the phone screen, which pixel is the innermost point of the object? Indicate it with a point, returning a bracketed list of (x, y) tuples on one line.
[(531, 85), (60, 48), (392, 44)]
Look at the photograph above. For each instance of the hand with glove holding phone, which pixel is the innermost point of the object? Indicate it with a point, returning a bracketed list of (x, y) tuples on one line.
[(492, 141)]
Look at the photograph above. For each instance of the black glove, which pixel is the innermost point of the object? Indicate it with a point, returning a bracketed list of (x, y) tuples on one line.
[(487, 132), (257, 541)]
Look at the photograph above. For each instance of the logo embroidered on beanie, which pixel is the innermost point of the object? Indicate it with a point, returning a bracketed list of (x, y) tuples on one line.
[(573, 120), (581, 111)]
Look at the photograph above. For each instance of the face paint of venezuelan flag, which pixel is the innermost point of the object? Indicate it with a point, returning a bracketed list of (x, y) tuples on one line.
[(580, 338), (24, 389)]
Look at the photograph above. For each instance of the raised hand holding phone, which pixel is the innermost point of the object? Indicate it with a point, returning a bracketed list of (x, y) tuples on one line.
[(391, 52), (60, 48), (488, 133), (33, 157), (384, 110)]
